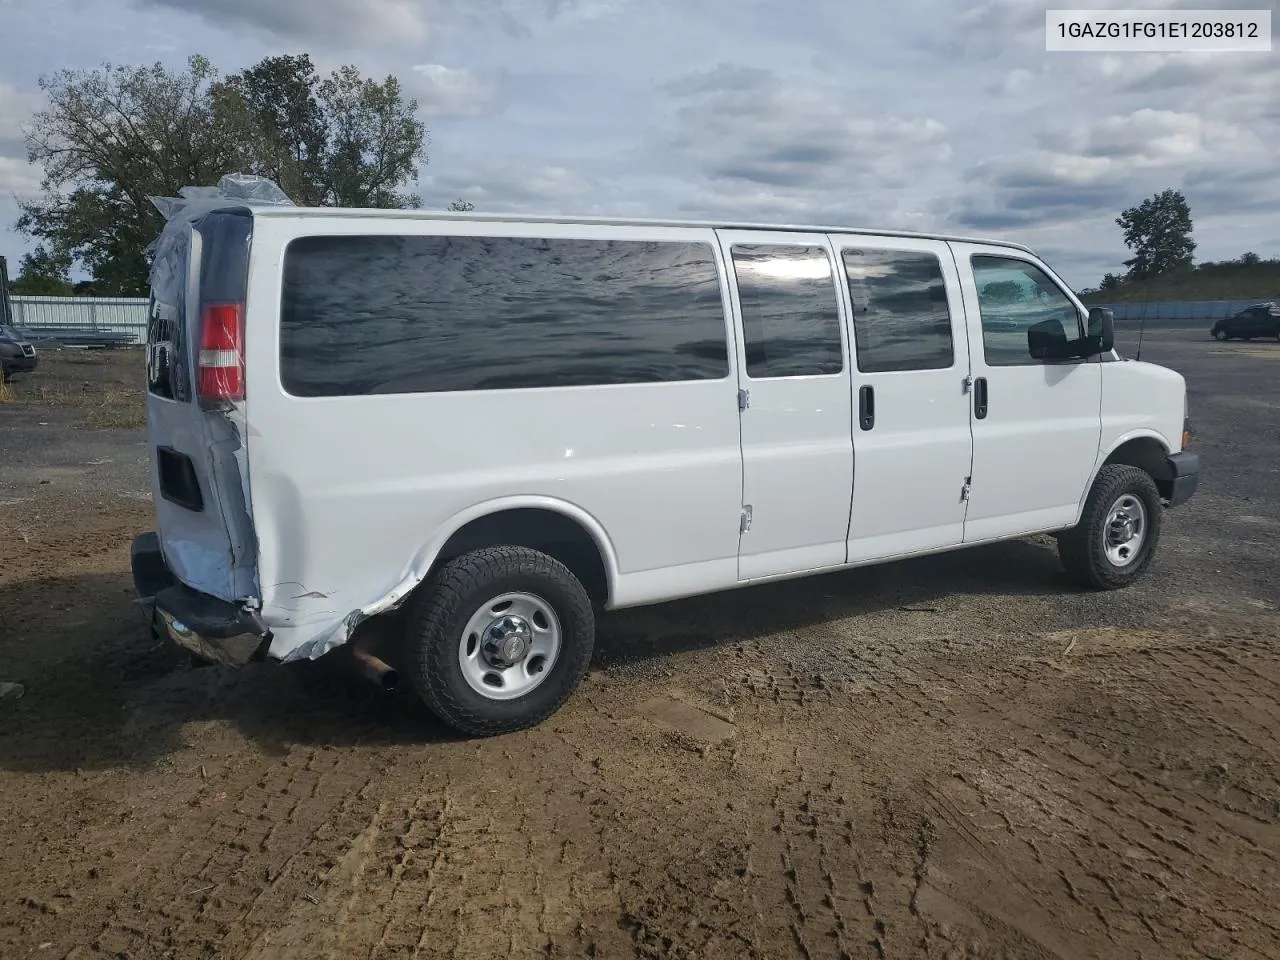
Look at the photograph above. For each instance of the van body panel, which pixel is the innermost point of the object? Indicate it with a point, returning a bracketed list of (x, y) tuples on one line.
[(1034, 450), (911, 464), (200, 463), (797, 450), (657, 465), (1141, 399)]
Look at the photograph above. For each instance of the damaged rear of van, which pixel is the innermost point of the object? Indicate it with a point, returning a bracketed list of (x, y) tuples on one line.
[(197, 575)]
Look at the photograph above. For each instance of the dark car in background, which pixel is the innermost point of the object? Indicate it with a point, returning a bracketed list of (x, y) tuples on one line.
[(1259, 320), (16, 354)]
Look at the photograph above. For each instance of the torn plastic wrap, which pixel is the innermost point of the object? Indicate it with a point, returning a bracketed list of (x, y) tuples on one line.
[(169, 250), (235, 189)]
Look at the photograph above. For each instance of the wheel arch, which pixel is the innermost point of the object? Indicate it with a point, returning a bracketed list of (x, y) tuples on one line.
[(1147, 450), (556, 527)]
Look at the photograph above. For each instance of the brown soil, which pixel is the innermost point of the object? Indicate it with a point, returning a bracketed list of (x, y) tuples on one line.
[(958, 757)]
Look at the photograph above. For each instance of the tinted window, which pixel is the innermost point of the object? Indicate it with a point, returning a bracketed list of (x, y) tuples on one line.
[(900, 315), (790, 320), (1013, 297), (365, 315)]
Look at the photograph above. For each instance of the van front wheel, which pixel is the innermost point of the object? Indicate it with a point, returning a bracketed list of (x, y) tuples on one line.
[(499, 639), (1115, 540)]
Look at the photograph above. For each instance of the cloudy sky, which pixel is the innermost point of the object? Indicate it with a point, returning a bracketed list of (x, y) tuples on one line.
[(915, 114)]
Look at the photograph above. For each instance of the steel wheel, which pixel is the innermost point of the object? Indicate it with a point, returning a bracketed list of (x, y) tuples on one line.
[(509, 646), (1125, 530)]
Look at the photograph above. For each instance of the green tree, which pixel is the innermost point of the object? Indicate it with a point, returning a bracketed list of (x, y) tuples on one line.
[(1158, 231), (1250, 259), (43, 274), (110, 138), (272, 109), (342, 141), (1110, 282), (107, 140), (461, 206), (375, 141)]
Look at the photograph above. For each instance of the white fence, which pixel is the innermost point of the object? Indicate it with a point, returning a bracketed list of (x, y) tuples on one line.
[(82, 315)]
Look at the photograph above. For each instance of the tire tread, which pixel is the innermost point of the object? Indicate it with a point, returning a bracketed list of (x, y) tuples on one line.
[(1080, 548), (444, 598)]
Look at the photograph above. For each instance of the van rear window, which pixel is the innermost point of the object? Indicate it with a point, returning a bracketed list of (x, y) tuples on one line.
[(425, 314)]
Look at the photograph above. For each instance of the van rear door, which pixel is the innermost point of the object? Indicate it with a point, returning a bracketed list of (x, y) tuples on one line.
[(195, 403)]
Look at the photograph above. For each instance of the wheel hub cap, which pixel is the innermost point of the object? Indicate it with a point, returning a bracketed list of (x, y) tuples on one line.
[(507, 641), (1126, 530), (510, 645), (1122, 530)]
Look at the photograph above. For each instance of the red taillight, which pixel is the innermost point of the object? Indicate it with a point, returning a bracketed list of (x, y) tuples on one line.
[(221, 360)]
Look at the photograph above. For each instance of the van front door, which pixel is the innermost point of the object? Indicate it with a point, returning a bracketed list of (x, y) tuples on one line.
[(911, 435), (795, 403), (1036, 423)]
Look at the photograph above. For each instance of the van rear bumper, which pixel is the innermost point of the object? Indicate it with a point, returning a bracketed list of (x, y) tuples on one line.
[(211, 628)]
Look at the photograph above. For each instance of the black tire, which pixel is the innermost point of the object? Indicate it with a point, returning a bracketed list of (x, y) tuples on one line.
[(1219, 335), (1082, 548), (439, 617)]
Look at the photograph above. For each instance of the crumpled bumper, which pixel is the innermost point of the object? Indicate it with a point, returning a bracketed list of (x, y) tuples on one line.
[(211, 628)]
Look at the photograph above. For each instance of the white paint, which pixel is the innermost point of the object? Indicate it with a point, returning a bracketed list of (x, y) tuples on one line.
[(1033, 452), (352, 499), (909, 469), (797, 450)]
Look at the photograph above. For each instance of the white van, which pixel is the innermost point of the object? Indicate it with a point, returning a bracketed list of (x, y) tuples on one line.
[(507, 424)]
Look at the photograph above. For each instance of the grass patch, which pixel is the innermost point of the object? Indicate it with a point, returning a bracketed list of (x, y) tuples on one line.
[(1208, 281), (6, 392), (102, 406), (116, 409)]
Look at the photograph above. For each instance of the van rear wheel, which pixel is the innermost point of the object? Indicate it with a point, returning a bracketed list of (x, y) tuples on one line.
[(499, 639), (1115, 540)]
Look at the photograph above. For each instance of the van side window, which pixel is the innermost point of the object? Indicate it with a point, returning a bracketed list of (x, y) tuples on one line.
[(901, 320), (427, 314), (1013, 297), (790, 320)]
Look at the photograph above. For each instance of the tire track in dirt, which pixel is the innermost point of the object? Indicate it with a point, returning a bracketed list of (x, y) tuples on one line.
[(214, 879), (1112, 811)]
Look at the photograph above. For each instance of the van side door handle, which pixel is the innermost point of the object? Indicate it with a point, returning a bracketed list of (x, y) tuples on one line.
[(867, 407), (980, 398)]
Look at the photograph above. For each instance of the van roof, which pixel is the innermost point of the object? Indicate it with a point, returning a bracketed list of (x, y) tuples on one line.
[(400, 214)]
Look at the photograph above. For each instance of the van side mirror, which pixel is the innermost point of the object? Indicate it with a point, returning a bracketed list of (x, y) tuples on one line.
[(1102, 330)]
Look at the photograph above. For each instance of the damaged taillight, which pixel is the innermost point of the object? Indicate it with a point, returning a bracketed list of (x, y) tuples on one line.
[(220, 365)]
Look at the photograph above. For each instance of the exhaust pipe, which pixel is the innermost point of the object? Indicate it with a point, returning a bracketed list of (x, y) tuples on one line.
[(374, 670)]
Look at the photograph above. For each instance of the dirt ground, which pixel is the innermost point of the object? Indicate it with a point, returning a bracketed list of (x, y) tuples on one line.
[(956, 757)]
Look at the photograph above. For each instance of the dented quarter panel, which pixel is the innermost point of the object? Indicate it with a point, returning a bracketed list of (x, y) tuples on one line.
[(211, 550)]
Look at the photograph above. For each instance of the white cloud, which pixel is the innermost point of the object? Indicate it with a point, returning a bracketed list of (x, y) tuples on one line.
[(16, 109), (385, 23), (920, 113), (450, 91), (512, 185), (364, 21)]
